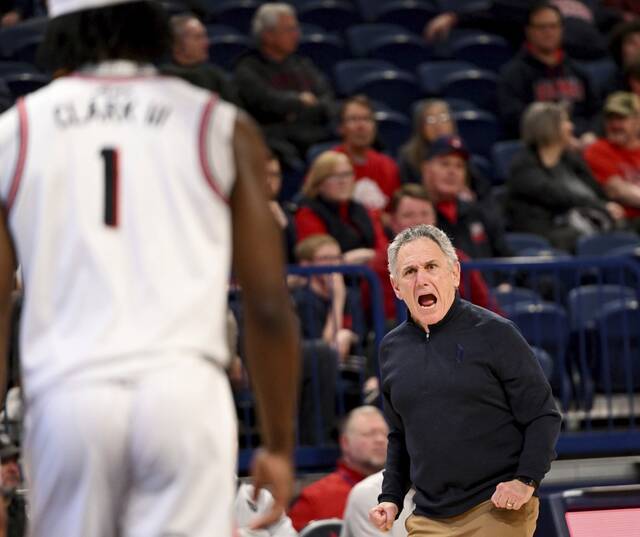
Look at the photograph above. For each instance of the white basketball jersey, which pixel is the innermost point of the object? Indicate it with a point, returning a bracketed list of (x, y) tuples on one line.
[(116, 190)]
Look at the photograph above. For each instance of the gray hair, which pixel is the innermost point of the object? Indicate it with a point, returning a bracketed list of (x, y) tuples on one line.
[(541, 123), (267, 15), (414, 233)]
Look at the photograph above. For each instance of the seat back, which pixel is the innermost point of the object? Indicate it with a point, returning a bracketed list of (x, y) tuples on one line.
[(602, 243), (479, 129), (330, 527), (502, 154)]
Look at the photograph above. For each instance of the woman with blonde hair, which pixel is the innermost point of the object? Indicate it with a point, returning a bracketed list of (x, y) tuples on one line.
[(327, 206)]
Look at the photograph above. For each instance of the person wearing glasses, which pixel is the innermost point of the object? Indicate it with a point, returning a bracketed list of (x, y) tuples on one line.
[(433, 119), (542, 71)]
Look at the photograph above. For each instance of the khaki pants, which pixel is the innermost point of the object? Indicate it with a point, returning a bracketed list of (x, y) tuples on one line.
[(484, 520)]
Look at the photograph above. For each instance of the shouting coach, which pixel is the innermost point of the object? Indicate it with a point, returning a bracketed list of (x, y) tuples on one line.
[(473, 423)]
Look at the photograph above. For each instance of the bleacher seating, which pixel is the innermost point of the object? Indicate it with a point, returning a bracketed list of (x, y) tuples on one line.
[(332, 15), (348, 72), (397, 88), (602, 243), (485, 51), (479, 129)]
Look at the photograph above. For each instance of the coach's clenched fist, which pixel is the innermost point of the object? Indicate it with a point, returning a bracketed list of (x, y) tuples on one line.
[(383, 515)]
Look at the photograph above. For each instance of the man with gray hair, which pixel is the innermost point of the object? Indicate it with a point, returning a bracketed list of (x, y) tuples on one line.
[(472, 421), (284, 92)]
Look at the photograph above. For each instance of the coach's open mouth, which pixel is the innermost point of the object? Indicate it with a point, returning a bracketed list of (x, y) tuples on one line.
[(427, 300)]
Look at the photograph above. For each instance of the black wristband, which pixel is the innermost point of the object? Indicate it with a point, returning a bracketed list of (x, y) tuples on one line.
[(527, 481)]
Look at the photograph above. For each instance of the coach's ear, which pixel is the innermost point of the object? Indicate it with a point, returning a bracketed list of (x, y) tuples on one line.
[(396, 288)]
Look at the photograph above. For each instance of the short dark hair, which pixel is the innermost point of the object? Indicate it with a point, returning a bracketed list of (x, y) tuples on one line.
[(359, 99), (618, 35), (138, 31), (410, 190), (537, 7)]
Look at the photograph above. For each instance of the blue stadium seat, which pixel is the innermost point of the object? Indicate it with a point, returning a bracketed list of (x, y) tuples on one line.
[(519, 241), (460, 105), (224, 50), (359, 36), (216, 30), (477, 85), (320, 147), (330, 527), (602, 243), (405, 51), (431, 74), (394, 130), (15, 68), (26, 50), (479, 129), (482, 165), (545, 325), (502, 154), (618, 328), (411, 14), (14, 36), (585, 303), (324, 50), (23, 83), (348, 72), (509, 297), (332, 15), (397, 88), (236, 13), (485, 51)]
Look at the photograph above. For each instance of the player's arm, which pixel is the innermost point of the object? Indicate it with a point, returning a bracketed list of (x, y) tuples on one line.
[(7, 273), (271, 332)]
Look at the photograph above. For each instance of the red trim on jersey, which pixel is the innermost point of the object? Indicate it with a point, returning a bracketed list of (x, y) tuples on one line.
[(22, 153), (202, 146)]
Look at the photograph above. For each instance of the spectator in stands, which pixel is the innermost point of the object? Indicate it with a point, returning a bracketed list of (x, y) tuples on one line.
[(284, 92), (190, 58), (322, 305), (629, 9), (282, 212), (411, 206), (550, 190), (624, 45), (472, 420), (14, 11), (542, 71), (328, 207), (615, 159), (471, 228), (433, 119), (363, 446), (361, 498), (13, 500), (632, 78), (376, 174), (586, 21)]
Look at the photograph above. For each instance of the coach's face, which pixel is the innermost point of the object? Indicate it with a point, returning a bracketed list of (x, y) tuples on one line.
[(426, 280)]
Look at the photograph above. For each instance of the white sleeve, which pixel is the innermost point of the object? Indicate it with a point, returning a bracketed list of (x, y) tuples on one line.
[(361, 499), (246, 510), (9, 149)]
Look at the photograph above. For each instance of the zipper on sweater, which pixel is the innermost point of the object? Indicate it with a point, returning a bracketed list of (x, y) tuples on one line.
[(427, 335)]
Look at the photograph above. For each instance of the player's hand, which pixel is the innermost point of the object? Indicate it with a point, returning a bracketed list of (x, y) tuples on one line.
[(276, 471), (512, 495), (383, 515)]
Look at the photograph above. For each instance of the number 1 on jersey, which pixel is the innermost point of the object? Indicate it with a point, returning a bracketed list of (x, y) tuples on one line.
[(111, 187)]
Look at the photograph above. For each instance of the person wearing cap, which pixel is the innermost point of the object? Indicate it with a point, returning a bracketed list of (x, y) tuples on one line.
[(550, 190), (126, 195), (615, 158), (472, 229), (472, 420)]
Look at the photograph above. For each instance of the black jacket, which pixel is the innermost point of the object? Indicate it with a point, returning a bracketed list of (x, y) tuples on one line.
[(468, 407), (205, 76), (525, 80), (269, 92), (536, 195)]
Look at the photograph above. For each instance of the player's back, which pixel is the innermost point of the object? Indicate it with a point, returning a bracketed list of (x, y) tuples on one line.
[(117, 204)]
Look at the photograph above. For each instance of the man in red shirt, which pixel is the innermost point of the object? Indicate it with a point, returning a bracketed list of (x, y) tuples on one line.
[(377, 175), (615, 159), (363, 443)]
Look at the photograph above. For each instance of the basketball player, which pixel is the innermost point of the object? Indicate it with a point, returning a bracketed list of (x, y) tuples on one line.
[(122, 193)]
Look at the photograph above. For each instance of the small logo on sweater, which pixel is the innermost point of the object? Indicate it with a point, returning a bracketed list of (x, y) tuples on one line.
[(459, 353)]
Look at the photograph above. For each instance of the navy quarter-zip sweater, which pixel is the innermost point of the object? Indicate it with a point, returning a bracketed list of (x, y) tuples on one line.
[(468, 407)]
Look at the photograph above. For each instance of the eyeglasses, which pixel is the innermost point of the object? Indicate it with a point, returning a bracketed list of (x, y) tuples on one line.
[(437, 118)]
